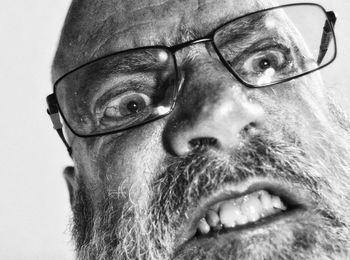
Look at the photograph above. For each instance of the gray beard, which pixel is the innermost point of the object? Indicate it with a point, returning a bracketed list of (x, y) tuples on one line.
[(147, 230)]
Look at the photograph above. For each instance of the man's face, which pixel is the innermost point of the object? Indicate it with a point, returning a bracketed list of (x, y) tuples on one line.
[(231, 173)]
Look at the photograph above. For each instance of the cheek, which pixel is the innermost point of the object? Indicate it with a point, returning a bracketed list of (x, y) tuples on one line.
[(128, 162), (309, 103), (296, 108)]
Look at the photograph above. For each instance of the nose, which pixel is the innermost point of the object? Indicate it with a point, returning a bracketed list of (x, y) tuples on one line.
[(212, 110)]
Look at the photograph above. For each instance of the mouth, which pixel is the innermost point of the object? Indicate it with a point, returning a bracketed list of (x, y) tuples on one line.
[(230, 211)]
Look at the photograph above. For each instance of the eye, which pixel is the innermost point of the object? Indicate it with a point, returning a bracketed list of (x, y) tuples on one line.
[(260, 62), (126, 105)]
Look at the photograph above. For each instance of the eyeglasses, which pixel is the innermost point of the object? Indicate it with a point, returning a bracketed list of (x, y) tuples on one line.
[(133, 87)]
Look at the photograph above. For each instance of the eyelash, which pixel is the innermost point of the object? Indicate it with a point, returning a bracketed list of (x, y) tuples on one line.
[(253, 50)]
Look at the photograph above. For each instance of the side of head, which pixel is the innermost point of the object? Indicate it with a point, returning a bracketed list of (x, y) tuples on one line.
[(192, 182)]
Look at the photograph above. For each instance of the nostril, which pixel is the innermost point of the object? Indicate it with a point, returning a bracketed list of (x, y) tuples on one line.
[(249, 126), (203, 143)]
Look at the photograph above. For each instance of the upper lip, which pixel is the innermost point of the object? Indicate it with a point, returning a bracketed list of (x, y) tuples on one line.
[(292, 196)]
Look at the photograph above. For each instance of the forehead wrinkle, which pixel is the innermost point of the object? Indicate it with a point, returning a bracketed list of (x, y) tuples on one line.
[(185, 33), (148, 19), (151, 5), (91, 32), (90, 36), (99, 49)]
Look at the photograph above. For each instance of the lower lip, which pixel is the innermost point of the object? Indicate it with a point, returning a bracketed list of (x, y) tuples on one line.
[(227, 233)]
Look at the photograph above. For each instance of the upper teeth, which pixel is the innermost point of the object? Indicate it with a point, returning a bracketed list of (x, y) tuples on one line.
[(240, 211)]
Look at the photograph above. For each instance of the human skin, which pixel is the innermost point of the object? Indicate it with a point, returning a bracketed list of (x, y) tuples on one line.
[(212, 103)]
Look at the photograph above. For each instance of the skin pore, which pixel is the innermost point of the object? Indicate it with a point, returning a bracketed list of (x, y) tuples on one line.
[(135, 193)]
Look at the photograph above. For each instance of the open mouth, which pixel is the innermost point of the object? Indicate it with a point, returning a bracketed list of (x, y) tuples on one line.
[(228, 213), (240, 211)]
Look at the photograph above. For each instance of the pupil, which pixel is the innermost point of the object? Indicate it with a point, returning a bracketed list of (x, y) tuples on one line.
[(133, 107), (265, 64)]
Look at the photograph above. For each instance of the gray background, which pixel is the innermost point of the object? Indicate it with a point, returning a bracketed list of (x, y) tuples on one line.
[(34, 207)]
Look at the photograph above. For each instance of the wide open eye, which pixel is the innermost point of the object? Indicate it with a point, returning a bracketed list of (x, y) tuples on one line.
[(265, 60), (268, 65), (128, 104)]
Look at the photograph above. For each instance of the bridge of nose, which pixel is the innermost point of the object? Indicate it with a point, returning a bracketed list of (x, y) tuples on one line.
[(212, 104)]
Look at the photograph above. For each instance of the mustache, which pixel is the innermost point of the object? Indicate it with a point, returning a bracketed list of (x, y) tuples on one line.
[(188, 179)]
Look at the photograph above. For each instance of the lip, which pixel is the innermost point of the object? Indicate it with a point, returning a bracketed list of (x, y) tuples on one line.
[(295, 198), (251, 229)]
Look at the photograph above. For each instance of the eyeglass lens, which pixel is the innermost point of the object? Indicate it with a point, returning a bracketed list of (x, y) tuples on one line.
[(119, 91), (271, 46)]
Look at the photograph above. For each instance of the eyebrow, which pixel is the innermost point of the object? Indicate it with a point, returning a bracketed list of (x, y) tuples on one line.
[(245, 27), (106, 68)]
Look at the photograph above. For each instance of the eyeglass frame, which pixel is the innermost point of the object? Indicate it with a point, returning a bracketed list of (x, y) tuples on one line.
[(54, 108)]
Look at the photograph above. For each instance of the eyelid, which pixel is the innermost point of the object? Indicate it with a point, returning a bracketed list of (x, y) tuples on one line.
[(118, 119), (120, 97), (119, 85), (100, 113), (253, 50), (274, 46), (111, 95)]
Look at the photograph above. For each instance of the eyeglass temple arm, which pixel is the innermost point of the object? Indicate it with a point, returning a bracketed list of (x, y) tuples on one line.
[(326, 36), (55, 119)]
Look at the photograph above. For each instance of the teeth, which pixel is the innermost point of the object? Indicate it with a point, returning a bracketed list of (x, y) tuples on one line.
[(252, 208), (240, 211), (212, 218), (203, 226), (277, 203), (228, 211), (265, 199), (231, 214)]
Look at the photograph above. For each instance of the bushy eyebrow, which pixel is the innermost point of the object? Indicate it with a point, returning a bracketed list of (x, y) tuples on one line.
[(246, 27), (243, 29), (101, 72)]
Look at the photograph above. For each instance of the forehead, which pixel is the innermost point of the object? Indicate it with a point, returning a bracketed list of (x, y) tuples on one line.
[(96, 28)]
